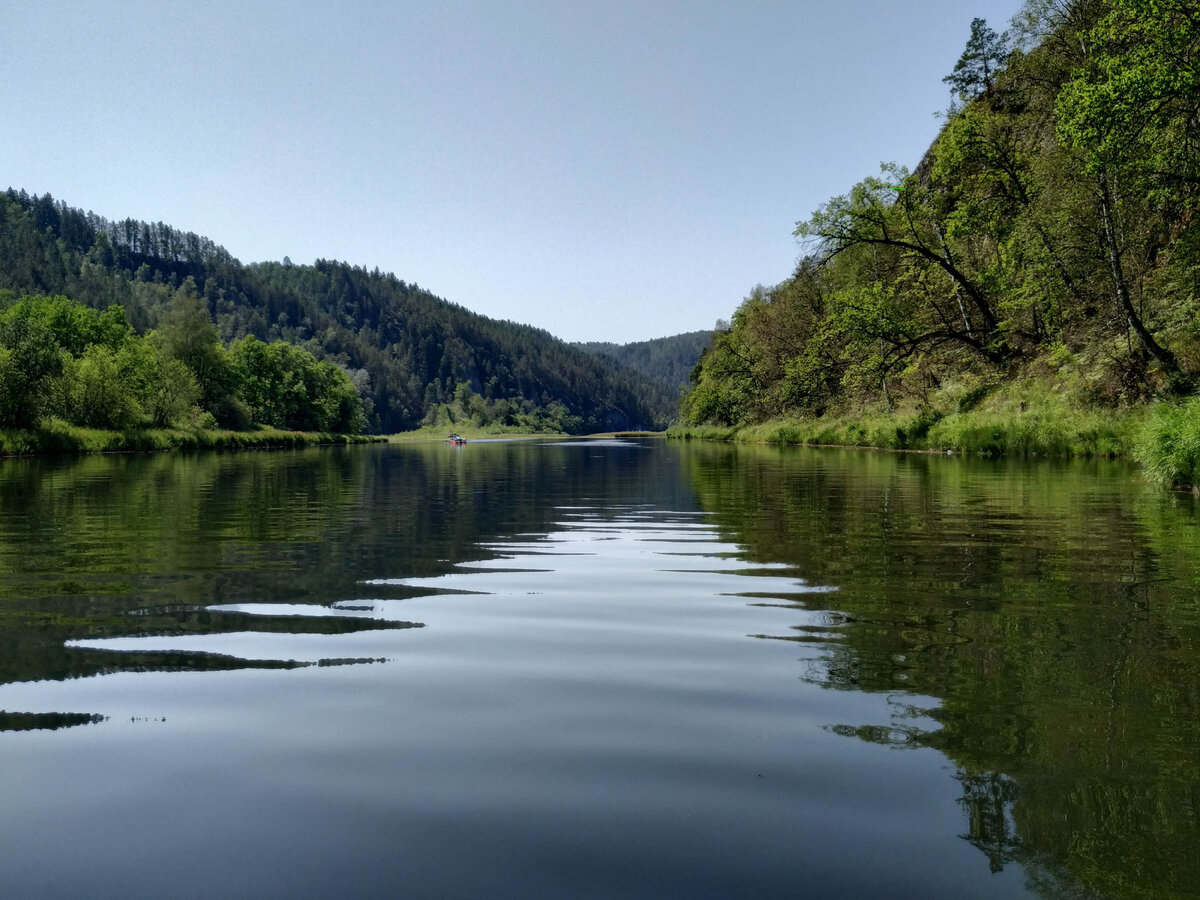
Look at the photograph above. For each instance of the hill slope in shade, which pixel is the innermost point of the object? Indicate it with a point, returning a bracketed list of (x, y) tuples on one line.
[(667, 360)]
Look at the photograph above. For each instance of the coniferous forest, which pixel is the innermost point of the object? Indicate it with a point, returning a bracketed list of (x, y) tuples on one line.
[(1049, 239), (668, 360), (197, 333)]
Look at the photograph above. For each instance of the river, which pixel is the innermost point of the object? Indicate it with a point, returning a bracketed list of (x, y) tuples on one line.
[(623, 668)]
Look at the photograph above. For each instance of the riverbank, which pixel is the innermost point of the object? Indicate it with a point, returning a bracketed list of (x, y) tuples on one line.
[(56, 438), (1030, 430), (1164, 438)]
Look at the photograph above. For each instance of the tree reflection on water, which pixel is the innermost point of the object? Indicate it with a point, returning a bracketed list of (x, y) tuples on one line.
[(1042, 618)]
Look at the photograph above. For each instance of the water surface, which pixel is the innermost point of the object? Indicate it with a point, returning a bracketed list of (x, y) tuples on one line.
[(596, 670)]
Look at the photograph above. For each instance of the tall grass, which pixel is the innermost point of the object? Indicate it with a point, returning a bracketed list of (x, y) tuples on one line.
[(1029, 424), (1061, 433), (56, 437), (1169, 445)]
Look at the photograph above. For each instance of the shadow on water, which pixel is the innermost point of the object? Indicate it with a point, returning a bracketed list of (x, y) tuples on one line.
[(1038, 623)]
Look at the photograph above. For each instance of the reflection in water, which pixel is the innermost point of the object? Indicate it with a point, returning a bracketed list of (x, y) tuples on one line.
[(48, 721), (989, 799), (1049, 614), (599, 669)]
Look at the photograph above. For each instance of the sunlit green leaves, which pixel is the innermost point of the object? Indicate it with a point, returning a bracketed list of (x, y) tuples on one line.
[(59, 358), (287, 387), (1138, 98), (30, 362)]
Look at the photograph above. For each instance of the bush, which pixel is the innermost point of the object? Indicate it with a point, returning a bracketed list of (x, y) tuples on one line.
[(30, 363), (103, 393)]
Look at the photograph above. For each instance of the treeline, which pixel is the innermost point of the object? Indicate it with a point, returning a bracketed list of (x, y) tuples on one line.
[(62, 360), (1050, 232), (405, 350), (667, 360)]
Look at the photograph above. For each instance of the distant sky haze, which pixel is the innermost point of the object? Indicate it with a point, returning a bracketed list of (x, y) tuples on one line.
[(603, 170)]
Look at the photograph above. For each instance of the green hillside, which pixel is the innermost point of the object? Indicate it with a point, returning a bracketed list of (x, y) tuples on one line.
[(1042, 260), (408, 352)]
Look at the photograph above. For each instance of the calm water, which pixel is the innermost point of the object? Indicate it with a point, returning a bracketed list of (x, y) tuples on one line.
[(598, 669)]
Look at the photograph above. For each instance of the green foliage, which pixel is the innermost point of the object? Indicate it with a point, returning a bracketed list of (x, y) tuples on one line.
[(287, 387), (404, 349), (30, 362), (1137, 98), (901, 278), (1072, 434), (55, 437), (186, 333), (1025, 418), (75, 327), (105, 390), (173, 394), (470, 413), (1130, 112), (1048, 233), (88, 368), (1169, 447)]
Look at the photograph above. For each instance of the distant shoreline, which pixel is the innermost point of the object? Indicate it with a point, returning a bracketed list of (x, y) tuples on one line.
[(471, 433), (58, 438), (61, 439)]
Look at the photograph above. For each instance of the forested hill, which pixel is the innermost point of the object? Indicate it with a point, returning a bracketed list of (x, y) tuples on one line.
[(1051, 236), (408, 351), (667, 360)]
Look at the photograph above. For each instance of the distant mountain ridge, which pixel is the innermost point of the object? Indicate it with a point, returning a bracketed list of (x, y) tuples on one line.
[(408, 351), (667, 360)]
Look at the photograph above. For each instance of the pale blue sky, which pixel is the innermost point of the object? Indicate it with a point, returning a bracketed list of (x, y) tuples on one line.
[(604, 170)]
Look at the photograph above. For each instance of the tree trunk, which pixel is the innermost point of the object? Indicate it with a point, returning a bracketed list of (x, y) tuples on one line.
[(1165, 357)]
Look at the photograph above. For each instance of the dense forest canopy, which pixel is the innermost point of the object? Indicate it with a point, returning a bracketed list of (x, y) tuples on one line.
[(407, 352), (667, 360), (1050, 232)]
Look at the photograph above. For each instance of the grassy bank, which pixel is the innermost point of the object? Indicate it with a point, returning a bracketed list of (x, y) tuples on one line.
[(1022, 428), (1170, 444), (1017, 420), (56, 437)]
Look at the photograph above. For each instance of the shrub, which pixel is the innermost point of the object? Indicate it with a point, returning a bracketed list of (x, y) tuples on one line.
[(1169, 447), (103, 390)]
